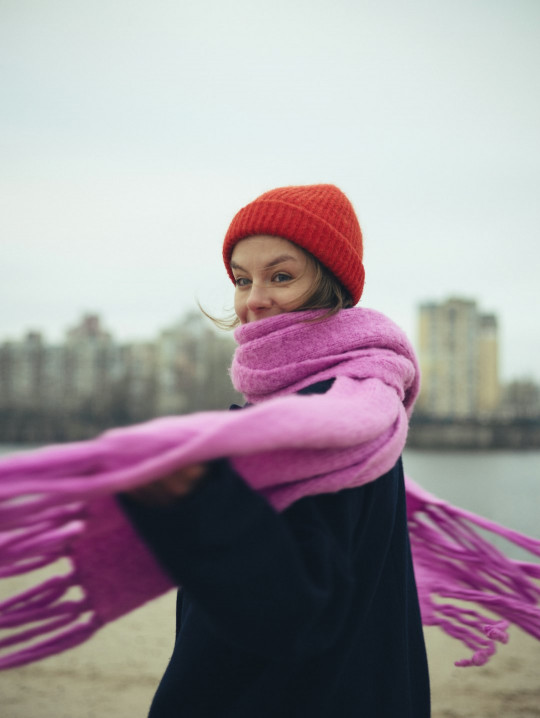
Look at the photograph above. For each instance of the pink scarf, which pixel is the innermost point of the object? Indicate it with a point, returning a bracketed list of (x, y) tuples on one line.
[(59, 501)]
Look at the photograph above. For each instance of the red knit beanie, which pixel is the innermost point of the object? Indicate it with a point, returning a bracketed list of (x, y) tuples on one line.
[(318, 218)]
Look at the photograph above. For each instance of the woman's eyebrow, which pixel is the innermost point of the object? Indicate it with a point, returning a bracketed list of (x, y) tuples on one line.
[(279, 260), (272, 263)]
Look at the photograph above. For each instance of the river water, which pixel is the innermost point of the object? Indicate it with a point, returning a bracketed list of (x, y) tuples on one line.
[(503, 486)]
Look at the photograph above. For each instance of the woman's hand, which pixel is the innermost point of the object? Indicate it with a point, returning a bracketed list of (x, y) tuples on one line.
[(169, 488)]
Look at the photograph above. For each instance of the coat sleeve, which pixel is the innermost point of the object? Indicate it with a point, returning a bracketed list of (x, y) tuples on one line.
[(276, 584)]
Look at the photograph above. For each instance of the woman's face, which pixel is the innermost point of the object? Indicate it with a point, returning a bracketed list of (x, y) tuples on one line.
[(272, 276)]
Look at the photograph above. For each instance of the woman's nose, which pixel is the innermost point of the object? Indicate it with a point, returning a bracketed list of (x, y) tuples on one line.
[(259, 297)]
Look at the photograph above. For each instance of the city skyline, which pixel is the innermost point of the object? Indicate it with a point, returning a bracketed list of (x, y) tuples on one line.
[(127, 338), (71, 390), (132, 134), (90, 381)]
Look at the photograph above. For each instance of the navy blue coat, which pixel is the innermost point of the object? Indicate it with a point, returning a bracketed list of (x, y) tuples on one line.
[(309, 613)]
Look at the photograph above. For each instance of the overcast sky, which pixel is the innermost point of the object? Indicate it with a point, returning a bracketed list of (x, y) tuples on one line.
[(131, 132)]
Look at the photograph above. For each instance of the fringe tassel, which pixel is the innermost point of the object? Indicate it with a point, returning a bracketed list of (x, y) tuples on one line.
[(452, 561), (76, 635), (111, 573), (44, 610), (46, 606)]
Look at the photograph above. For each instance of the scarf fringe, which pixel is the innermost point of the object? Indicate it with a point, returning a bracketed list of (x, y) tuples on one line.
[(110, 572), (43, 539), (46, 606), (453, 561)]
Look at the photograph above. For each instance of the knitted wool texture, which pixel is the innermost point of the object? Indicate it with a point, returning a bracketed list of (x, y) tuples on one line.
[(319, 218), (58, 502)]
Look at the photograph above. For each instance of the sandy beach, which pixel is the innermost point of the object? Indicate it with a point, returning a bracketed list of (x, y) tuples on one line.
[(116, 673)]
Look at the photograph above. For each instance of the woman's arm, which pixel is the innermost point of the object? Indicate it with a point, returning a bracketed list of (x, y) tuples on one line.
[(276, 584)]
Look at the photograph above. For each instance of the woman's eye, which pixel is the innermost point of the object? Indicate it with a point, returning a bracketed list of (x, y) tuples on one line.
[(282, 277), (241, 281)]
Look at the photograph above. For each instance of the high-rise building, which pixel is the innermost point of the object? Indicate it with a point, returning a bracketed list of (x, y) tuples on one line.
[(488, 386), (21, 370), (458, 352), (92, 364)]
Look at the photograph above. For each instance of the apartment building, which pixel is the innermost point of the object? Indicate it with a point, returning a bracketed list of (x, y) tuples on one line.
[(458, 353)]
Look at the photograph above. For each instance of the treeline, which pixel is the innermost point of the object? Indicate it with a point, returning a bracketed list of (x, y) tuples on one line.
[(63, 423), (432, 433)]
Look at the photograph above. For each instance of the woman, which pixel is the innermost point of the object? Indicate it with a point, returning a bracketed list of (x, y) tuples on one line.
[(311, 610), (284, 523)]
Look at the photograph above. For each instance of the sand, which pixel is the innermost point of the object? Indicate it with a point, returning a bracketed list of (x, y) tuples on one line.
[(117, 671)]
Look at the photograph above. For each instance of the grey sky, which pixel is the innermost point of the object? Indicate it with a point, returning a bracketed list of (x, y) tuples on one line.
[(131, 132)]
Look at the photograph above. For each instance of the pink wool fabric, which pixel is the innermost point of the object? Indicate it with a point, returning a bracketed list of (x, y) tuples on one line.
[(58, 502)]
